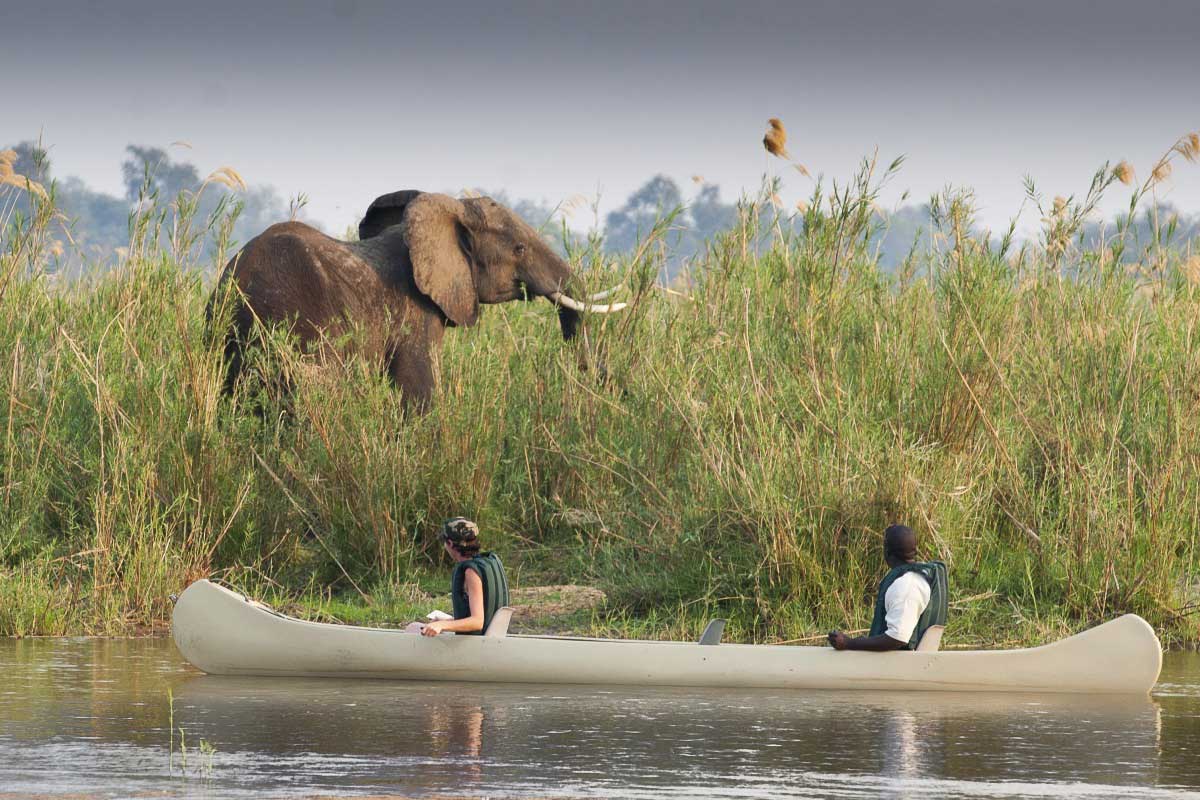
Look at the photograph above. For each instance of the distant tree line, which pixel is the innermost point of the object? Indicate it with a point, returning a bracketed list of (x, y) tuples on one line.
[(97, 224)]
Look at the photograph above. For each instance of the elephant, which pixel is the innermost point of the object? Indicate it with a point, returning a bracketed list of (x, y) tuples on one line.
[(423, 262)]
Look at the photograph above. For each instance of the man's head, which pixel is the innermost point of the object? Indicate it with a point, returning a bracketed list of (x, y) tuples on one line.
[(461, 535), (899, 545)]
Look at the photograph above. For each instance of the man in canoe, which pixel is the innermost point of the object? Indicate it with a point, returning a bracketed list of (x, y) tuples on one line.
[(478, 585), (912, 598)]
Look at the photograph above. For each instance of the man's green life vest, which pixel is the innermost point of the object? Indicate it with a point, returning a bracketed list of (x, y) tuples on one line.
[(934, 613), (495, 587)]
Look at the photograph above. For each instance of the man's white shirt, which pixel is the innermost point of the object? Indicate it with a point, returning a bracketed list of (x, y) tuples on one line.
[(906, 599)]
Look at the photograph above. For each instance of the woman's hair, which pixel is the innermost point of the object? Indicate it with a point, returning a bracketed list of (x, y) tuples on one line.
[(462, 534)]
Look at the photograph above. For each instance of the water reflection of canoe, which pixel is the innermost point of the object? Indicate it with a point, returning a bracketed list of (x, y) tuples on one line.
[(223, 633)]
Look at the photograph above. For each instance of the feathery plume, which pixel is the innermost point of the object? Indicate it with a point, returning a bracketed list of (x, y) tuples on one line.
[(21, 182), (1188, 146), (1060, 205), (776, 200), (1191, 270), (568, 207), (1162, 171), (227, 177), (697, 179), (1124, 173), (801, 169), (776, 139), (802, 207)]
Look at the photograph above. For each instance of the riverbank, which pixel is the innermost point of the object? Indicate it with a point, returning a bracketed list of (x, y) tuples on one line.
[(731, 448)]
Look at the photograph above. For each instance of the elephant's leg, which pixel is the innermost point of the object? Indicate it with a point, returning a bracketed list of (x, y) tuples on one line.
[(412, 372)]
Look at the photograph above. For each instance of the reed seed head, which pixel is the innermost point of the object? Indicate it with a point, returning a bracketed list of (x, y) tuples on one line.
[(227, 177), (1124, 173), (1191, 270), (1189, 147), (1060, 205), (21, 182), (775, 139), (1162, 171)]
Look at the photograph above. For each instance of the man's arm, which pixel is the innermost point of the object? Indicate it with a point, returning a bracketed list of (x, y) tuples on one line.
[(905, 600), (469, 624), (877, 644)]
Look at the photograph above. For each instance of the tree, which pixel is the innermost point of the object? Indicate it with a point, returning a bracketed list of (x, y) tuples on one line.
[(152, 167), (624, 227)]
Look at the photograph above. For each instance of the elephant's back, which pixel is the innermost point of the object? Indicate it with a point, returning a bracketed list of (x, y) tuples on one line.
[(293, 271)]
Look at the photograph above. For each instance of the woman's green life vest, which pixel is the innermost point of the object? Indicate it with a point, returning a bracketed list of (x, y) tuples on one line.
[(934, 613), (495, 587)]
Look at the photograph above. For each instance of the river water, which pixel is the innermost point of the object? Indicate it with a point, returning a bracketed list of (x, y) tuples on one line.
[(94, 718)]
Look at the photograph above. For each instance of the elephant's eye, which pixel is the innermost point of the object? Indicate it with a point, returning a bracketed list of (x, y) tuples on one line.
[(519, 249)]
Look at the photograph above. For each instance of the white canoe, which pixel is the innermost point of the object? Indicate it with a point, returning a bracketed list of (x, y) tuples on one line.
[(223, 633)]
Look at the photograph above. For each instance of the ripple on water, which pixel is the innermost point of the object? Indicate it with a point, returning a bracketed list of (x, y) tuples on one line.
[(98, 712)]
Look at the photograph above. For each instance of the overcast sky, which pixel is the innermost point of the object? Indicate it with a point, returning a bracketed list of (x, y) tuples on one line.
[(346, 100)]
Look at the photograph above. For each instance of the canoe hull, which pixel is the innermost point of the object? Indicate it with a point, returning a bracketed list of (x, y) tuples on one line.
[(221, 633)]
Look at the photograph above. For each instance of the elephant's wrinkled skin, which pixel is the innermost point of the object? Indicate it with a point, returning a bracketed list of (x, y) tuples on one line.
[(424, 261)]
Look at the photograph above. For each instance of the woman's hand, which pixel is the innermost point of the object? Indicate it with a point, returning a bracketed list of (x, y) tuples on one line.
[(434, 628)]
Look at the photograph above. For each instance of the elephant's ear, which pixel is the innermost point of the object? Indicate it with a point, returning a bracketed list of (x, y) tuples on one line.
[(434, 232), (385, 211)]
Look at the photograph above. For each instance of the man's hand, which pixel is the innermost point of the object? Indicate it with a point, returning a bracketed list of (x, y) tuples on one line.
[(434, 628), (838, 640)]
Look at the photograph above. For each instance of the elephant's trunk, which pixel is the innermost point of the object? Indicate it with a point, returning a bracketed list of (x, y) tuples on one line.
[(552, 282), (569, 320)]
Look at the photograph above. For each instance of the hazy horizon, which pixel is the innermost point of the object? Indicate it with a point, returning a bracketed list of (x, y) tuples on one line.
[(347, 100)]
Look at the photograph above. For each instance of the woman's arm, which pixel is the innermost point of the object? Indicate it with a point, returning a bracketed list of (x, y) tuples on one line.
[(879, 644), (469, 624)]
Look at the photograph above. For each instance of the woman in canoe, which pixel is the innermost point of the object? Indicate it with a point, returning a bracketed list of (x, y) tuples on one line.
[(478, 585)]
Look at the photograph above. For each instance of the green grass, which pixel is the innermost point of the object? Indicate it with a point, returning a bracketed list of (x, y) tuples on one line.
[(734, 453)]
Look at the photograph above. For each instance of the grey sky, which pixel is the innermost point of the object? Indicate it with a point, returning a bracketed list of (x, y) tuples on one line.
[(346, 100)]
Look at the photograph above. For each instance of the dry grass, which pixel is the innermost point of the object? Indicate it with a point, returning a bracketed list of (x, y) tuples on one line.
[(1029, 412)]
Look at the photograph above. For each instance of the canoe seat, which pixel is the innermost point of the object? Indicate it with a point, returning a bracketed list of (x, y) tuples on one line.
[(932, 639), (712, 632), (498, 628)]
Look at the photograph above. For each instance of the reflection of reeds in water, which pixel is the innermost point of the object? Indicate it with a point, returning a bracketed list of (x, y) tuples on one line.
[(204, 750), (1026, 408)]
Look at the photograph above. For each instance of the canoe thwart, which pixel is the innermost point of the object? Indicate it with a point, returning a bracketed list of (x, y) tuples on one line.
[(713, 632), (932, 639), (499, 624)]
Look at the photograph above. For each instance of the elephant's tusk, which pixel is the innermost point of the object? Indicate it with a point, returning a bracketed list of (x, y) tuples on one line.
[(606, 293), (567, 302)]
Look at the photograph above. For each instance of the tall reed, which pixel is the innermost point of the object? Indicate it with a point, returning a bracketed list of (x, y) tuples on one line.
[(731, 449)]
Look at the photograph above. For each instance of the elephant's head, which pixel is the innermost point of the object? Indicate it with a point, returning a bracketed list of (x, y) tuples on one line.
[(467, 252)]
